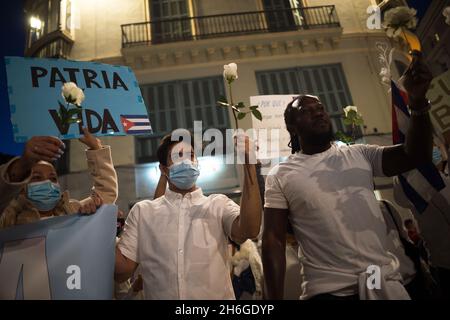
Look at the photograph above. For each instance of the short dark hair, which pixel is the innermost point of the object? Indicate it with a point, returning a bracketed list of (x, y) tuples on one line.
[(166, 145), (289, 121)]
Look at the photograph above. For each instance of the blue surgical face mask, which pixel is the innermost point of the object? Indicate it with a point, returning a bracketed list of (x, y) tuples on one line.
[(44, 195), (184, 174), (437, 156)]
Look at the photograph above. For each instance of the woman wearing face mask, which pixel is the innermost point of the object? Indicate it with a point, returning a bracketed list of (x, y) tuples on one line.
[(41, 196)]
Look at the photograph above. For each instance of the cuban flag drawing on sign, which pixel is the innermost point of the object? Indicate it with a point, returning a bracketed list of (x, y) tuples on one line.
[(136, 124)]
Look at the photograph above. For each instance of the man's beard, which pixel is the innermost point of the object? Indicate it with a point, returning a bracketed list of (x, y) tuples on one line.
[(319, 139)]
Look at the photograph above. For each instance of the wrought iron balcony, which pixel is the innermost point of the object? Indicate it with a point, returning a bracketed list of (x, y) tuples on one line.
[(224, 25), (56, 44)]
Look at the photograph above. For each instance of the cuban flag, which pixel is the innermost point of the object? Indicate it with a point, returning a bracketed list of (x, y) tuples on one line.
[(136, 124), (422, 184)]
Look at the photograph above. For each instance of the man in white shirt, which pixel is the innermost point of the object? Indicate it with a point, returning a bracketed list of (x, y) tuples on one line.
[(180, 240), (326, 192)]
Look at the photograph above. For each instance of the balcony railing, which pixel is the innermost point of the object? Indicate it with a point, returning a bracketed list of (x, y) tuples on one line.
[(222, 25), (56, 44)]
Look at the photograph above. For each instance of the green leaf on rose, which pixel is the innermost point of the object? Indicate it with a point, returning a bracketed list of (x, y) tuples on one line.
[(241, 115), (347, 121), (257, 114), (222, 99)]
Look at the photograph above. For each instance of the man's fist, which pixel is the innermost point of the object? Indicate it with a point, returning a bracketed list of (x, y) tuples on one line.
[(91, 141), (416, 80), (91, 204)]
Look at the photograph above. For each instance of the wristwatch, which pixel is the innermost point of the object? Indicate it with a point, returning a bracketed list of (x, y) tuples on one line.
[(422, 110)]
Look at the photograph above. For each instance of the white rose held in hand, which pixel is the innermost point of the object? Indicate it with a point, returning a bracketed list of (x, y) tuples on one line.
[(398, 19), (239, 112), (72, 94), (350, 108), (230, 72)]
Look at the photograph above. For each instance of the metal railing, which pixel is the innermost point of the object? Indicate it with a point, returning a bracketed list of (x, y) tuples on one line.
[(56, 44), (222, 25)]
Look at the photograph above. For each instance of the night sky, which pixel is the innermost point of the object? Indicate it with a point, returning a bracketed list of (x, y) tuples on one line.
[(12, 36)]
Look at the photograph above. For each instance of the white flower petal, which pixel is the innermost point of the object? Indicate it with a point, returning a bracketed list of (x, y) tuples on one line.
[(230, 71), (347, 109), (72, 94)]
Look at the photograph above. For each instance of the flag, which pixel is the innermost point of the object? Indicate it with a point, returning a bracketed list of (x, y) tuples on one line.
[(136, 124), (421, 184)]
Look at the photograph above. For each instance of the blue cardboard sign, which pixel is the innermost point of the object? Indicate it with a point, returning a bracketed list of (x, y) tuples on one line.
[(113, 102), (67, 257)]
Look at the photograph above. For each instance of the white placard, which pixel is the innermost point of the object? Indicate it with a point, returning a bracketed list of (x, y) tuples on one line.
[(273, 143), (439, 96)]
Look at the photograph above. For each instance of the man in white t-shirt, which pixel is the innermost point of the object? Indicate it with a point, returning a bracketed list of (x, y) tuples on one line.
[(326, 192), (180, 240)]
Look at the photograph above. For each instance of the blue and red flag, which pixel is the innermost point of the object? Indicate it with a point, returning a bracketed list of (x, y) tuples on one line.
[(423, 183)]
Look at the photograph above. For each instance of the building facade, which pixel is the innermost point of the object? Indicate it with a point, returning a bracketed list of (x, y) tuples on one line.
[(177, 49), (434, 35)]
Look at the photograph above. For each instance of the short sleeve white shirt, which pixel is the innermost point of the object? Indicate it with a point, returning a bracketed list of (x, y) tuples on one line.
[(334, 213)]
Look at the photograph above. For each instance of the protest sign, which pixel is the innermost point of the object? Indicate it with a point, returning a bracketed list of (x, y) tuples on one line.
[(272, 107), (439, 96), (113, 102), (66, 257)]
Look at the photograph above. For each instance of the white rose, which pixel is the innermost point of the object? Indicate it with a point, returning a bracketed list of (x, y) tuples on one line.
[(393, 33), (72, 94), (397, 18), (446, 14), (230, 72), (350, 108)]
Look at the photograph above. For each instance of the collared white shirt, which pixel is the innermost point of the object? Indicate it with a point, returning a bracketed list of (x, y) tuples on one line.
[(181, 245)]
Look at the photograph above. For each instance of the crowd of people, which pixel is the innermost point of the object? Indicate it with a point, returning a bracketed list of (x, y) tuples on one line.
[(321, 199)]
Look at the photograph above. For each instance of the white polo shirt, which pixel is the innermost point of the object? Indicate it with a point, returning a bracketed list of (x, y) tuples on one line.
[(181, 244), (335, 216)]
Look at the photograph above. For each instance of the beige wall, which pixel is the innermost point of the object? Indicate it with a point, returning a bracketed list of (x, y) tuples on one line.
[(352, 13), (99, 34)]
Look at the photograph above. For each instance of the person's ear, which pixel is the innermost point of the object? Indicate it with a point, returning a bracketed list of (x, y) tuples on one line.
[(164, 170)]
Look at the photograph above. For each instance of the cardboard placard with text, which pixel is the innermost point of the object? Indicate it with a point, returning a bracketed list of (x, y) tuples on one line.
[(113, 102), (439, 96)]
